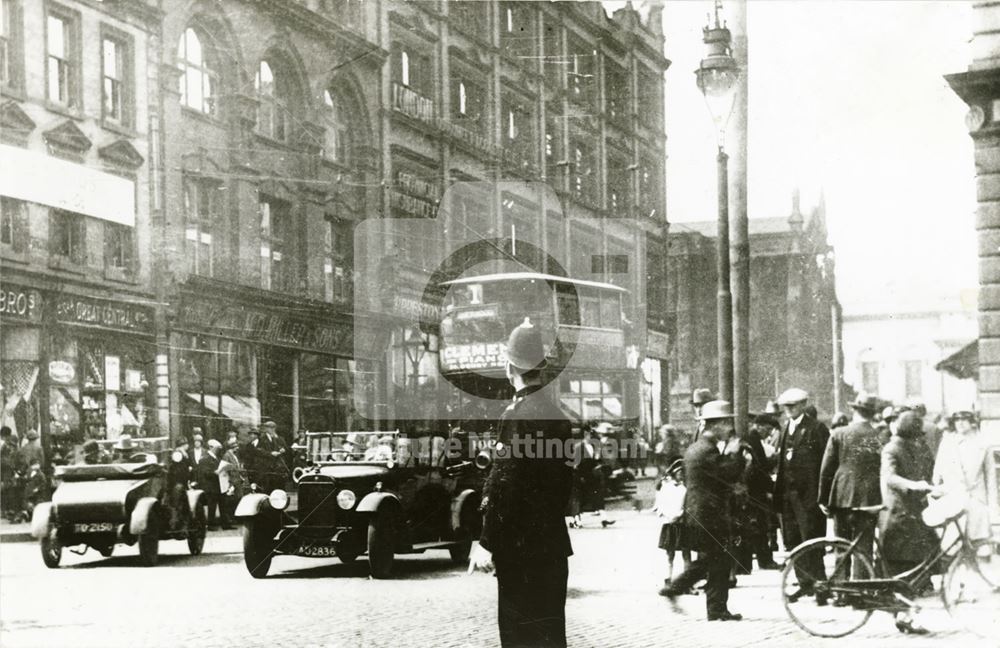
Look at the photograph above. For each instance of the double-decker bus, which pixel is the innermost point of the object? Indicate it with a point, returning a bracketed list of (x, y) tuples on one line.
[(584, 332)]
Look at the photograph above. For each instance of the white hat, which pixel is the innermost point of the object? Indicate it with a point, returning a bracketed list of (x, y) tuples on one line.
[(717, 409), (793, 396)]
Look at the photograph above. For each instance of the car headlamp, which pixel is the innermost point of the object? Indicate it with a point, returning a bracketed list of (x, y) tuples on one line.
[(346, 499), (177, 456), (278, 499)]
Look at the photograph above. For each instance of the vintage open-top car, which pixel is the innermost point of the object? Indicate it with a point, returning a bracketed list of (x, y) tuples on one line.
[(101, 505), (396, 496)]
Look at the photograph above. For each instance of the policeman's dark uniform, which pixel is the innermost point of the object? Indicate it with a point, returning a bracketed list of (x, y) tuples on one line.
[(525, 498)]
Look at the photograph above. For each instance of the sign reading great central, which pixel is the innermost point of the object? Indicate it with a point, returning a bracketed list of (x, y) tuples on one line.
[(262, 326), (104, 313)]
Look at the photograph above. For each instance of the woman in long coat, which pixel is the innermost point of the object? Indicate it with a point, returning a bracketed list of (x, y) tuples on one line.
[(961, 471), (907, 467)]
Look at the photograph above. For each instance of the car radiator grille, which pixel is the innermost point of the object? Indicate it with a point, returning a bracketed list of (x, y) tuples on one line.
[(317, 504)]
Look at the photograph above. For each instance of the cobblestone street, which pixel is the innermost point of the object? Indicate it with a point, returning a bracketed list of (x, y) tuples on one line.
[(211, 601)]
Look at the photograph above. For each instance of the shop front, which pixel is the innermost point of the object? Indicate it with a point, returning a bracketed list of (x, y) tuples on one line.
[(75, 367), (236, 362)]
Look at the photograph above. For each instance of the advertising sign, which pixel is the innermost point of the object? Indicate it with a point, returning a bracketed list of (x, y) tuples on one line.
[(464, 357)]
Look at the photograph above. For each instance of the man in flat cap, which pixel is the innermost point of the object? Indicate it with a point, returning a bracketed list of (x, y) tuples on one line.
[(709, 476), (796, 488), (849, 476), (525, 497)]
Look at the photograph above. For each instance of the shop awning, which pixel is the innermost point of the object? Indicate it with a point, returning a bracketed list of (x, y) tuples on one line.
[(233, 407), (964, 363)]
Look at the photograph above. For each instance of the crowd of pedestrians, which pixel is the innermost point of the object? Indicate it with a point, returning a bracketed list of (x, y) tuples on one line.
[(23, 483), (722, 495)]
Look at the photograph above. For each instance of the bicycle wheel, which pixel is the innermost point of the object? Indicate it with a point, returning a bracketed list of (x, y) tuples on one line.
[(815, 587), (971, 594)]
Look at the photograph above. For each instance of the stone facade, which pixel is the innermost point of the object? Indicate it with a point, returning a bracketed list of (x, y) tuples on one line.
[(793, 303)]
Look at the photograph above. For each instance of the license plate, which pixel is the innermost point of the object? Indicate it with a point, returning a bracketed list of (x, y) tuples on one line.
[(318, 551), (93, 527)]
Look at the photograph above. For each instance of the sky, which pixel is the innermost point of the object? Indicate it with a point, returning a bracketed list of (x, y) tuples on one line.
[(847, 98)]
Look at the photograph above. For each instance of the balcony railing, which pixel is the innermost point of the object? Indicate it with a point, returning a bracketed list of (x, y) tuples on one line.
[(412, 104)]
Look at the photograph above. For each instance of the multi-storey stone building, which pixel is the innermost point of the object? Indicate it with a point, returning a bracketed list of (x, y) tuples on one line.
[(794, 313), (979, 87), (78, 356), (289, 123)]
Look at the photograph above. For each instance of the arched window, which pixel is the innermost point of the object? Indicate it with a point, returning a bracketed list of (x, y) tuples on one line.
[(338, 133), (199, 81), (271, 113)]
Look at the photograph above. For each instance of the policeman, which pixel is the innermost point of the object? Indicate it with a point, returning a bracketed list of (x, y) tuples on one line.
[(524, 532)]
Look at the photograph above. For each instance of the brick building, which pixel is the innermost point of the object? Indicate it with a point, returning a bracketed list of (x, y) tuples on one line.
[(793, 308), (78, 82)]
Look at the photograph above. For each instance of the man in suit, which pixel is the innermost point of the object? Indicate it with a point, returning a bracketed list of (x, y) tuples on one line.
[(796, 488), (207, 478), (275, 450), (197, 450), (849, 476), (524, 500), (709, 476)]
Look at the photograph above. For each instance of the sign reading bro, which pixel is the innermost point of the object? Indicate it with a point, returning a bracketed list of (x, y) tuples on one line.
[(20, 303)]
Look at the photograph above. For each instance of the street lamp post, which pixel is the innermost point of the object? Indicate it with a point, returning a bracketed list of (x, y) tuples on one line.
[(717, 75)]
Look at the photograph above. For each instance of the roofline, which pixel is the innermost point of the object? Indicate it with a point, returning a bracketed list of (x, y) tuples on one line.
[(488, 278)]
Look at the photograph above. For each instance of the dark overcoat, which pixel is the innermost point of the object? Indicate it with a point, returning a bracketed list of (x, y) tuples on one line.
[(799, 461), (904, 535), (709, 477), (849, 474), (205, 474), (525, 496)]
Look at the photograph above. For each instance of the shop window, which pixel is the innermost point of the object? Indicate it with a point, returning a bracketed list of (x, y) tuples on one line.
[(116, 70), (517, 33), (19, 366), (11, 39), (199, 78), (68, 236), (593, 399), (336, 393), (338, 268), (66, 408), (338, 130), (13, 224), (218, 384), (277, 270), (119, 247), (62, 56), (202, 210)]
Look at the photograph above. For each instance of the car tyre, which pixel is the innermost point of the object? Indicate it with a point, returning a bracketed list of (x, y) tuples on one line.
[(381, 543), (469, 529), (149, 542), (197, 530), (257, 548), (106, 550), (51, 550)]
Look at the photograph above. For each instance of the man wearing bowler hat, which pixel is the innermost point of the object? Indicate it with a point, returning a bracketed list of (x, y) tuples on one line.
[(524, 534), (849, 476), (709, 476), (796, 487), (699, 397)]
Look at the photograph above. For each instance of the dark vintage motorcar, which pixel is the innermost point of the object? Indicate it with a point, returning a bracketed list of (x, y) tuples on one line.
[(102, 505), (381, 501)]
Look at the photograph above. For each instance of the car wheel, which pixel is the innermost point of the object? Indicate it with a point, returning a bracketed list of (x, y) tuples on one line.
[(51, 550), (381, 543), (469, 529), (106, 550), (149, 542), (196, 531), (257, 548)]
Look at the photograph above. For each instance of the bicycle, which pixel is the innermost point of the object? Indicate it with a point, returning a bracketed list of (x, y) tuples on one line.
[(838, 604)]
